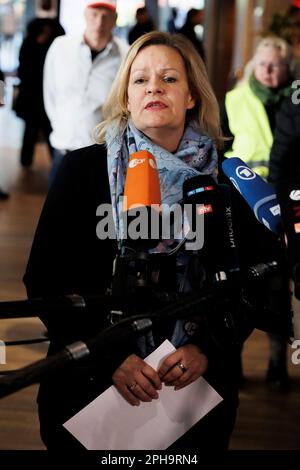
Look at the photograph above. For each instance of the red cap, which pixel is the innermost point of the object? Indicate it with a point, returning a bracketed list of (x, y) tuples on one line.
[(110, 4)]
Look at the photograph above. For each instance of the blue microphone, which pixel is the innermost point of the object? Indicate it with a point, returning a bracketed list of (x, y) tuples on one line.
[(258, 194)]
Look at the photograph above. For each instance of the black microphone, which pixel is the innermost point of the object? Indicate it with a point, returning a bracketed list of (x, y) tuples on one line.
[(212, 203), (77, 351), (262, 270), (140, 226), (219, 257), (262, 199), (231, 248)]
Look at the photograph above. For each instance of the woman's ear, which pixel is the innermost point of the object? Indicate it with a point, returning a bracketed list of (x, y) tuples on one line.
[(191, 102)]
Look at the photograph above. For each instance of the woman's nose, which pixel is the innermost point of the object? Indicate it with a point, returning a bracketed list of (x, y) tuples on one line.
[(154, 86), (269, 68)]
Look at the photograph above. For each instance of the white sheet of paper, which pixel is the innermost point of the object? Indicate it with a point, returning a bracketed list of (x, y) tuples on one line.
[(110, 423)]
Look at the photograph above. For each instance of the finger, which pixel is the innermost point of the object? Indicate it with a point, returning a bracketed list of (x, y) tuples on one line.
[(174, 374), (147, 387), (141, 394), (184, 383), (149, 373), (184, 380), (143, 387), (169, 363), (127, 394), (193, 373), (124, 387)]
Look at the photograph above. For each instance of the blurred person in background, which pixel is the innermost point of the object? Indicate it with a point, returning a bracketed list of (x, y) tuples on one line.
[(194, 17), (171, 22), (3, 194), (249, 113), (78, 74), (248, 117), (284, 157), (144, 24), (29, 104)]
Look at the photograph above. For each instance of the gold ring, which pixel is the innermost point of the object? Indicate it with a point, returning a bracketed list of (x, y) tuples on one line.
[(181, 367), (131, 387)]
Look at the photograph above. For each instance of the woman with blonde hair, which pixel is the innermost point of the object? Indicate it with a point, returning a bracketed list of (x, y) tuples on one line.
[(250, 109), (285, 52), (161, 101), (205, 111), (248, 118)]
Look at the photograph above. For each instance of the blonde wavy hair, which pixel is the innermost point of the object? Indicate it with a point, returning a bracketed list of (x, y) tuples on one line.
[(206, 109), (284, 48)]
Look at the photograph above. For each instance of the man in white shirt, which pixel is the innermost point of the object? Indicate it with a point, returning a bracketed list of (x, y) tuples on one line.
[(78, 75)]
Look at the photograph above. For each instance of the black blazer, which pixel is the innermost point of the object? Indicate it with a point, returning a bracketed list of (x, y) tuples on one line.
[(284, 157), (67, 257)]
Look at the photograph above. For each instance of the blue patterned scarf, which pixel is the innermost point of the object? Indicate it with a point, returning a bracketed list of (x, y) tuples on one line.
[(196, 154)]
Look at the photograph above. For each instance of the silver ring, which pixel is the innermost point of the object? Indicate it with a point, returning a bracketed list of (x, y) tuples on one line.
[(131, 387), (181, 367)]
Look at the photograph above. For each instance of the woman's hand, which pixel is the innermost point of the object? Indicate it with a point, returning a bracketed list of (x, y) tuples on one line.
[(136, 380), (183, 366)]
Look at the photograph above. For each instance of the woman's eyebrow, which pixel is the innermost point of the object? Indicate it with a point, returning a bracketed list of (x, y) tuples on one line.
[(163, 69)]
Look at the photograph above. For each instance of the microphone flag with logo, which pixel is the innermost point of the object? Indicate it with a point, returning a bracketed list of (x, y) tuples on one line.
[(259, 195), (142, 198), (212, 202)]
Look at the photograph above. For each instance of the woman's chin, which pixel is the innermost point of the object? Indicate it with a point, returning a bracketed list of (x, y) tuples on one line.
[(155, 124), (268, 84)]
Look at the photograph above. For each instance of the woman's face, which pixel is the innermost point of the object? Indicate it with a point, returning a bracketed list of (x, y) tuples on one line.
[(271, 69), (158, 92)]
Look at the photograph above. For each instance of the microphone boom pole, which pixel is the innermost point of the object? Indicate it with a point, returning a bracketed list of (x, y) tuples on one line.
[(79, 350)]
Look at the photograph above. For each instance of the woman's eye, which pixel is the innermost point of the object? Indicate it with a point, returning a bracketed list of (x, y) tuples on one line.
[(170, 79), (139, 80)]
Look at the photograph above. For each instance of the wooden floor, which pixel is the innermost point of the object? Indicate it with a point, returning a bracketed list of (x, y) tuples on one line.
[(19, 427), (266, 420)]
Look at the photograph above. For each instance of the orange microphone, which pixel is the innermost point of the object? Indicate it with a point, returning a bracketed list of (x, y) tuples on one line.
[(142, 186), (142, 198)]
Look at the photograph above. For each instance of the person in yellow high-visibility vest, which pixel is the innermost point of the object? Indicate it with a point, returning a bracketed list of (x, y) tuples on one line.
[(248, 116), (250, 109)]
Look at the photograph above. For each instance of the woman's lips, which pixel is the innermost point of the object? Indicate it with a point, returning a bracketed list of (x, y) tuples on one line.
[(155, 105)]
